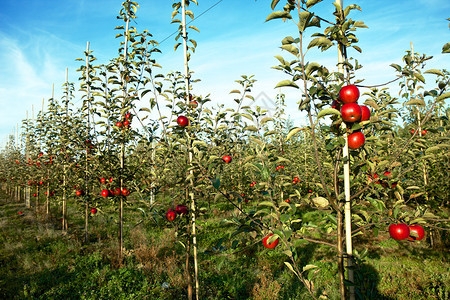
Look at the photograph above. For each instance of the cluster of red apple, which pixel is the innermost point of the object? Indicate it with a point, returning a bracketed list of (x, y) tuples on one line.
[(179, 209), (89, 144), (110, 193), (125, 123), (382, 182), (352, 112), (401, 231), (295, 180), (422, 133), (252, 184), (93, 210), (117, 192), (280, 167), (52, 193)]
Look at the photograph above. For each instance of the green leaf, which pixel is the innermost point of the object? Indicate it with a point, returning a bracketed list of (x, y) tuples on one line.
[(265, 120), (288, 40), (320, 42), (360, 24), (309, 267), (216, 183), (290, 267), (350, 7), (311, 3), (320, 202), (290, 48), (194, 28), (446, 48), (304, 18), (419, 77), (417, 221), (267, 203), (311, 67), (274, 3), (279, 15), (328, 111), (251, 128), (434, 71), (357, 48), (415, 102), (443, 97), (292, 132), (286, 83), (432, 149), (396, 67)]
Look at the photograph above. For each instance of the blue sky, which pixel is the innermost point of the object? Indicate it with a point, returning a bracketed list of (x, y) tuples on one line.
[(39, 39)]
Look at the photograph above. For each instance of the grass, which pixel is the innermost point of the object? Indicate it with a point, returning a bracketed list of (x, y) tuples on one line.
[(38, 261)]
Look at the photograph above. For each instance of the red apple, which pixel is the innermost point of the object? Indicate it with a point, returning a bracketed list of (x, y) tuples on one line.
[(126, 123), (20, 212), (227, 159), (119, 124), (125, 192), (412, 131), (93, 210), (365, 115), (128, 116), (271, 245), (356, 140), (111, 179), (79, 192), (34, 195), (399, 231), (373, 178), (287, 201), (105, 193), (351, 112), (181, 209), (171, 215), (194, 104), (349, 94), (103, 180), (418, 230), (423, 132), (182, 121), (117, 192)]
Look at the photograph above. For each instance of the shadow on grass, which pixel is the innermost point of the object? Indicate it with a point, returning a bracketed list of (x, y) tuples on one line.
[(367, 282)]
